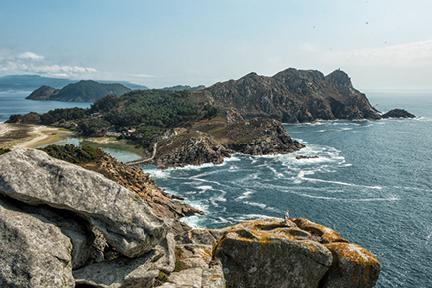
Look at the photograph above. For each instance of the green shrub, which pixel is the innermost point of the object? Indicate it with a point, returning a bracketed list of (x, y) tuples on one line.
[(74, 154), (4, 150)]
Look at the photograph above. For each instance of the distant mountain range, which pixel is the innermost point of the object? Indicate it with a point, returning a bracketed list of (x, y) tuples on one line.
[(31, 82), (81, 91)]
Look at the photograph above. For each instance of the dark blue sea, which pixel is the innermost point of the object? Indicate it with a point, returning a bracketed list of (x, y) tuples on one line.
[(14, 102), (372, 182)]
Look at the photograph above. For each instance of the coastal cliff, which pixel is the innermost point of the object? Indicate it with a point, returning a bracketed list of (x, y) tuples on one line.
[(102, 224), (295, 96)]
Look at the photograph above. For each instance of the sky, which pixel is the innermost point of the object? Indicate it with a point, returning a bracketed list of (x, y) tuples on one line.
[(381, 44)]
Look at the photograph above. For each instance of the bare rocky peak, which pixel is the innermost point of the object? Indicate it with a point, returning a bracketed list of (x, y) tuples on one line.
[(295, 96)]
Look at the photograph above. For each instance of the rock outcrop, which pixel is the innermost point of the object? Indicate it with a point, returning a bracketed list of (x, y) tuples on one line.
[(33, 251), (32, 177), (260, 136), (187, 147), (50, 238), (398, 113), (210, 141), (294, 96), (293, 253), (163, 205)]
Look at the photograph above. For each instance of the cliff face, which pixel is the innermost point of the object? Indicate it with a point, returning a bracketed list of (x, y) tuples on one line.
[(65, 226), (295, 96)]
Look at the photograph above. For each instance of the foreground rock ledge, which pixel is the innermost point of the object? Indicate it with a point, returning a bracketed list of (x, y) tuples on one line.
[(38, 248), (33, 177)]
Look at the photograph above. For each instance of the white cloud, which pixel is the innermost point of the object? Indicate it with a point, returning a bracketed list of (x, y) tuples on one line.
[(30, 56), (142, 75), (406, 55), (415, 54), (30, 62)]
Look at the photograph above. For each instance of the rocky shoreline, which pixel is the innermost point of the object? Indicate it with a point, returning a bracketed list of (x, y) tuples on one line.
[(99, 223), (196, 146)]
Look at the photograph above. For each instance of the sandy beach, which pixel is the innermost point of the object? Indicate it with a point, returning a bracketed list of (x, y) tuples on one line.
[(29, 136)]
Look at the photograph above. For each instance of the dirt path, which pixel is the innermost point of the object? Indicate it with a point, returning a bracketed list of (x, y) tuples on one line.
[(142, 161)]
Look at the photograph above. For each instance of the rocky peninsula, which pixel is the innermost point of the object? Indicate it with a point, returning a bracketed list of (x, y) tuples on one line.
[(98, 223)]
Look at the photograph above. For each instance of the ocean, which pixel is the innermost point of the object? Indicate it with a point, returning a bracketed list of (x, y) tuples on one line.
[(14, 102), (372, 182)]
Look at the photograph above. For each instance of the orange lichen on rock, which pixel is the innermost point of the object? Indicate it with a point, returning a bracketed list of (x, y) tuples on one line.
[(324, 234), (353, 265)]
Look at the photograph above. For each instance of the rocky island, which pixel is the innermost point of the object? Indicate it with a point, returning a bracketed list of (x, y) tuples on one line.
[(398, 113), (81, 91), (98, 223)]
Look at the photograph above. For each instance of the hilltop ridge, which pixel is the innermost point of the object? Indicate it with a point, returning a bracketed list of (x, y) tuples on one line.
[(81, 91), (295, 96)]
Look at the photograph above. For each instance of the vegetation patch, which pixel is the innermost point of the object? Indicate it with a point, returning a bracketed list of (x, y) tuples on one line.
[(4, 150), (74, 154)]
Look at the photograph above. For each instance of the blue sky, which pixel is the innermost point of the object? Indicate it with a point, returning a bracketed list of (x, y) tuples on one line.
[(382, 44)]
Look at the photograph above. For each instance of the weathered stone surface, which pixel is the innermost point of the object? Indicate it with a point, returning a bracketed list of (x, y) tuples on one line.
[(268, 253), (321, 233), (128, 224), (121, 272), (194, 259), (191, 278), (353, 266), (200, 236), (163, 205), (33, 252), (71, 226), (126, 272), (214, 277)]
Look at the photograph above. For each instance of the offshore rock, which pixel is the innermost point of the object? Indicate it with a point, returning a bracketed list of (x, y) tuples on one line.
[(398, 113), (128, 224)]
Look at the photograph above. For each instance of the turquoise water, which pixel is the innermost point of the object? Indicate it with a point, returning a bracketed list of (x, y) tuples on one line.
[(372, 182), (14, 102)]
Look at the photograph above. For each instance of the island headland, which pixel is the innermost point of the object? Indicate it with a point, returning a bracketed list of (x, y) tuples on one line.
[(182, 125)]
